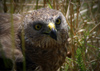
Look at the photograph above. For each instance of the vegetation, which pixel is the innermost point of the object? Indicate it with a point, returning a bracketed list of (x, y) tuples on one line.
[(83, 18)]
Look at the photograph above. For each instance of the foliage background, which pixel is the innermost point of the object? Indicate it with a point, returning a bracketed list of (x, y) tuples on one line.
[(83, 18)]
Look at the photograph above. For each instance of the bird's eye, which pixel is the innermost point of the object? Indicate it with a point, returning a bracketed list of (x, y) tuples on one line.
[(58, 21), (38, 26)]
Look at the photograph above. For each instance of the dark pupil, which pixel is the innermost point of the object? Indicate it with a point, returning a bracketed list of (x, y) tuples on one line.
[(38, 26), (57, 20)]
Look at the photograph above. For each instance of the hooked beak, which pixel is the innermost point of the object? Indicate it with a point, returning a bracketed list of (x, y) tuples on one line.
[(52, 32)]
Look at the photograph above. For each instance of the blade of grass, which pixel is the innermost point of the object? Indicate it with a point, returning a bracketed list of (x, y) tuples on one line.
[(12, 33), (49, 4)]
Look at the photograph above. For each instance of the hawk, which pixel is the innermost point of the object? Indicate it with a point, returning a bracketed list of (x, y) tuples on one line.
[(44, 33)]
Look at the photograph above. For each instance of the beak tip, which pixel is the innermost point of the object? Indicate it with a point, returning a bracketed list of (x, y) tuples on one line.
[(53, 34), (55, 38)]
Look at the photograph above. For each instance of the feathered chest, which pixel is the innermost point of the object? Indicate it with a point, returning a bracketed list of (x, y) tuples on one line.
[(50, 58)]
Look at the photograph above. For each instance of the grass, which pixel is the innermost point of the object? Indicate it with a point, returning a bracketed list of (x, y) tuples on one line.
[(83, 18)]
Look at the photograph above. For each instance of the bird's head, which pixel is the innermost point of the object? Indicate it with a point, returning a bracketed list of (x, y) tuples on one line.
[(45, 26)]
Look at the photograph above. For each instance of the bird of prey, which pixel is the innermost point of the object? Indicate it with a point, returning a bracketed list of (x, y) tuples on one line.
[(39, 38)]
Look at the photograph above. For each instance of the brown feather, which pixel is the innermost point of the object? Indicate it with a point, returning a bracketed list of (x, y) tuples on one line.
[(42, 53), (6, 37)]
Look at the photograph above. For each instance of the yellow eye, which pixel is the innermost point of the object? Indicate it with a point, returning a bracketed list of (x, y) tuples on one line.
[(58, 21), (38, 27)]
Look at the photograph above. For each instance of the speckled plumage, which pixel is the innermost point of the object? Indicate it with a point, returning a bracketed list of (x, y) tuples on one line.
[(41, 50)]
